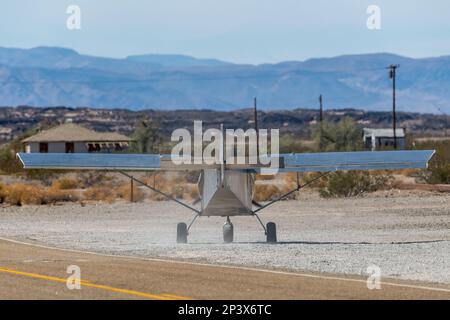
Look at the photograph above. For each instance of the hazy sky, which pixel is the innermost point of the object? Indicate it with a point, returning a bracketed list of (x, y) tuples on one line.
[(246, 31)]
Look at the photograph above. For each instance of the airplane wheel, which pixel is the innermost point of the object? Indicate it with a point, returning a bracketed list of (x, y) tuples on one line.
[(228, 232), (182, 233), (271, 232)]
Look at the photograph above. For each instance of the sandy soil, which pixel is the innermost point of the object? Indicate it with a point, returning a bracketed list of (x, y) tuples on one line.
[(405, 233)]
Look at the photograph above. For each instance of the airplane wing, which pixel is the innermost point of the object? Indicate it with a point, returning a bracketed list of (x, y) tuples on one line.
[(90, 161), (297, 162), (363, 160)]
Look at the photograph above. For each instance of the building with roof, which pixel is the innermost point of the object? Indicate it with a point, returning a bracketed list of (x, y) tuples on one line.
[(73, 138), (378, 138)]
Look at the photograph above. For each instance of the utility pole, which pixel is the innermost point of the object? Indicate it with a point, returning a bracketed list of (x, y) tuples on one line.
[(320, 122), (321, 110), (256, 125), (392, 75)]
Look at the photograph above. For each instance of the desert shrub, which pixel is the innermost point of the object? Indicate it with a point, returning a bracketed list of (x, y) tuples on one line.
[(439, 167), (2, 192), (88, 179), (46, 177), (178, 178), (177, 191), (100, 194), (192, 176), (352, 183), (21, 194), (65, 183), (156, 180), (264, 177), (266, 192), (185, 190), (192, 191), (291, 143), (53, 195), (124, 192), (8, 162), (439, 174)]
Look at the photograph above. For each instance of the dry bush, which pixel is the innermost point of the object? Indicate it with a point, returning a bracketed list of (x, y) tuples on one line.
[(65, 183), (45, 177), (192, 176), (2, 192), (124, 192), (21, 194), (291, 177), (100, 194), (177, 190), (94, 178), (192, 191), (178, 178), (182, 190), (160, 182), (53, 195), (266, 192), (313, 180), (264, 177), (157, 197), (156, 180), (287, 187)]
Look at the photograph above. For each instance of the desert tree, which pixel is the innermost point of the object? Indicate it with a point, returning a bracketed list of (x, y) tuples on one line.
[(345, 135), (147, 138)]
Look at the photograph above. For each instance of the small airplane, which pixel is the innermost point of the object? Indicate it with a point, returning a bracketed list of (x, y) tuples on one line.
[(226, 190)]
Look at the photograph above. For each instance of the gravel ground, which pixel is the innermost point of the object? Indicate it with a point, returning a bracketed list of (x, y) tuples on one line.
[(407, 235)]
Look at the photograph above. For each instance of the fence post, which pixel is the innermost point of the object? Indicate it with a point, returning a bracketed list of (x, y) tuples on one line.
[(131, 190)]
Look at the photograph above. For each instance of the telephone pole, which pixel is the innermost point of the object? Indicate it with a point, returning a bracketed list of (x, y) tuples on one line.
[(256, 125), (392, 75), (320, 122), (321, 109)]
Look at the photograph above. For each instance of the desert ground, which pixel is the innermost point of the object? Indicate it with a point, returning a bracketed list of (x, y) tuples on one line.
[(405, 233)]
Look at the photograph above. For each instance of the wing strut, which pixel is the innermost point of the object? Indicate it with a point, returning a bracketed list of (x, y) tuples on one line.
[(168, 196), (290, 192)]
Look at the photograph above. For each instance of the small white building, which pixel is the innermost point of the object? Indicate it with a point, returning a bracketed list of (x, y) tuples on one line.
[(73, 138), (374, 139)]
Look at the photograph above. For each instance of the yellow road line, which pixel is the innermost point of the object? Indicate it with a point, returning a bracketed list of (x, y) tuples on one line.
[(230, 267), (176, 297), (93, 285)]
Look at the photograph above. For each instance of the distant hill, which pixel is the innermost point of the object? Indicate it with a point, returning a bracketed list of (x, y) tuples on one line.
[(47, 76), (299, 122), (176, 60)]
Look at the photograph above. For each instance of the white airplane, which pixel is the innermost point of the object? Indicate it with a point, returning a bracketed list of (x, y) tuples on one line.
[(226, 190)]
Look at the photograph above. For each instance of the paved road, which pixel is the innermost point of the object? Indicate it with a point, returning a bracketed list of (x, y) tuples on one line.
[(35, 272)]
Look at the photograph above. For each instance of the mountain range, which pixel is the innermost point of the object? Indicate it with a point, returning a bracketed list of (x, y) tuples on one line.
[(51, 76)]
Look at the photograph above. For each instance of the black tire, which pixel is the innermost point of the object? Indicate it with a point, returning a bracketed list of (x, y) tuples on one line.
[(271, 232), (228, 232), (182, 233)]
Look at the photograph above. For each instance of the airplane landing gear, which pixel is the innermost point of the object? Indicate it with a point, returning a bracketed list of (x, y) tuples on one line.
[(182, 232), (271, 232), (228, 231)]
